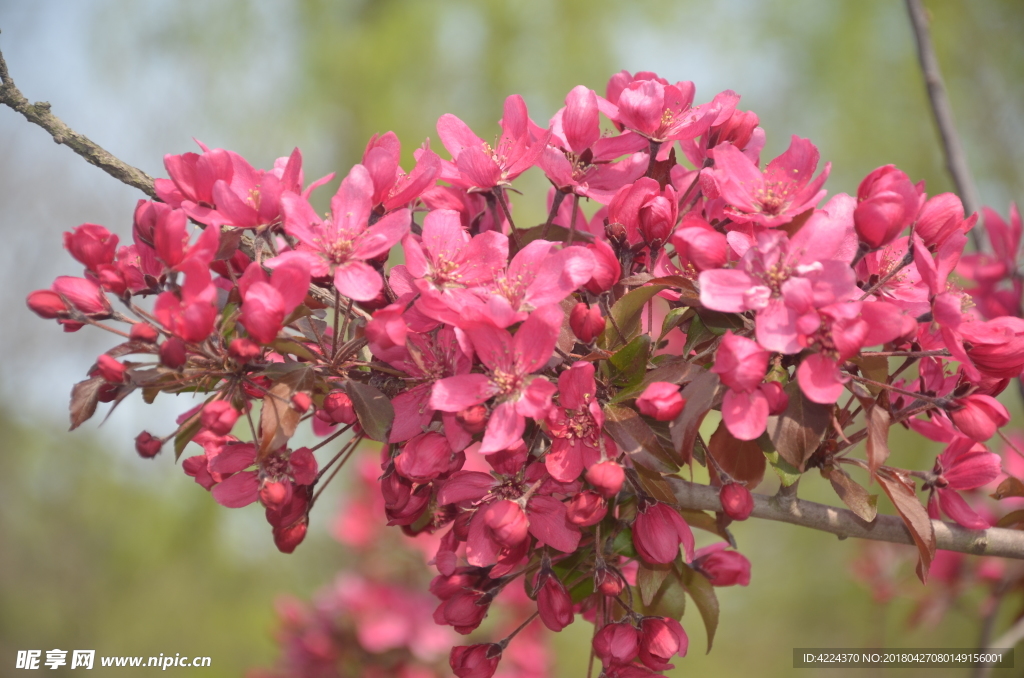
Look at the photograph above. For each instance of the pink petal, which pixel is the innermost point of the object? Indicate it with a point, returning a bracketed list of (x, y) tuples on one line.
[(954, 506), (745, 414), (454, 394), (237, 491), (820, 379), (535, 341), (724, 289), (358, 281), (465, 486), (504, 428), (580, 121), (548, 523)]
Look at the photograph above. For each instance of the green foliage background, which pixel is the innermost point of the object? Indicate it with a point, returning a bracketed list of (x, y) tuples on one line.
[(101, 550)]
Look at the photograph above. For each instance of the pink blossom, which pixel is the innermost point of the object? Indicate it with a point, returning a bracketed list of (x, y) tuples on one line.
[(741, 364), (393, 188), (477, 165), (774, 197), (475, 661), (586, 509), (661, 638), (553, 602), (963, 465), (586, 322), (342, 244), (887, 202), (663, 112), (92, 245), (575, 425), (941, 217), (617, 643), (979, 416), (510, 362), (268, 300)]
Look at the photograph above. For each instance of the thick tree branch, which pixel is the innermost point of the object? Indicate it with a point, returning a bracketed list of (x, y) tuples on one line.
[(39, 113), (994, 541), (956, 159)]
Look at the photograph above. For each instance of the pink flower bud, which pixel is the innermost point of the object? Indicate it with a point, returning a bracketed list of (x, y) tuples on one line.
[(737, 503), (658, 531), (244, 350), (608, 581), (941, 217), (997, 346), (586, 509), (144, 332), (387, 329), (84, 295), (658, 218), (661, 400), (287, 538), (147, 446), (979, 416), (301, 402), (275, 494), (554, 603), (46, 304), (424, 457), (586, 322), (778, 400), (661, 638), (507, 521), (219, 417), (887, 203), (617, 643), (721, 567), (473, 419), (464, 611), (337, 409), (110, 369), (607, 477), (475, 661), (92, 245), (172, 353)]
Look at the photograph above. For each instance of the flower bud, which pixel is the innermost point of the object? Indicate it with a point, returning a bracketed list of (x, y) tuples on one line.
[(46, 304), (337, 409), (608, 581), (464, 611), (607, 269), (475, 661), (424, 457), (287, 538), (83, 294), (979, 416), (661, 400), (554, 603), (617, 643), (110, 369), (219, 417), (658, 531), (586, 509), (607, 477), (244, 350), (661, 638), (941, 217), (721, 567), (275, 493), (144, 332), (887, 203), (507, 521), (586, 323), (473, 419), (301, 402), (778, 399), (172, 353), (147, 446), (737, 503)]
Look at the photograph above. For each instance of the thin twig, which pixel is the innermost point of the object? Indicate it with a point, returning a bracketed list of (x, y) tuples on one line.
[(39, 114), (956, 159)]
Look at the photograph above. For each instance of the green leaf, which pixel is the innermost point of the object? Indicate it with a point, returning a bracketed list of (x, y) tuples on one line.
[(631, 360), (649, 579), (626, 313), (555, 233), (292, 347), (672, 369), (696, 334), (670, 598), (719, 323), (705, 521), (873, 367), (786, 472), (582, 590), (623, 543), (373, 409), (186, 433), (673, 319), (703, 594)]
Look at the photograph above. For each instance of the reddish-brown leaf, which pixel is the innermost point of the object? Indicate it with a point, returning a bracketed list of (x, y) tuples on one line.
[(84, 396), (741, 459), (373, 409), (1011, 487), (904, 498), (878, 436), (700, 396), (278, 419), (795, 433), (852, 493)]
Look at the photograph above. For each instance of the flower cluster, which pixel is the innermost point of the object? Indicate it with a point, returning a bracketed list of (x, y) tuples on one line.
[(537, 390)]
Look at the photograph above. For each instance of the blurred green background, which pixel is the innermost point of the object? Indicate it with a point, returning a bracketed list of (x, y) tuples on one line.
[(99, 549)]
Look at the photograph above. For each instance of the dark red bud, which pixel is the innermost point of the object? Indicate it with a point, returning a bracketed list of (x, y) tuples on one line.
[(736, 501), (172, 353), (586, 322), (144, 332), (147, 446)]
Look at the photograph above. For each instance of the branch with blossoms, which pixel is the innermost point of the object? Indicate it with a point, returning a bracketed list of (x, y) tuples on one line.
[(538, 391)]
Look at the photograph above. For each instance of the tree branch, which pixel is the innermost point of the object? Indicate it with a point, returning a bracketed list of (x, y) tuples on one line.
[(956, 159), (39, 113), (994, 541)]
